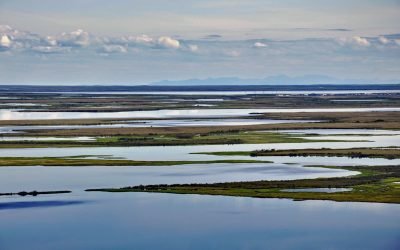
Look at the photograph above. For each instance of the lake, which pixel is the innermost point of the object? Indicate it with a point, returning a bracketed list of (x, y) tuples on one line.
[(167, 221)]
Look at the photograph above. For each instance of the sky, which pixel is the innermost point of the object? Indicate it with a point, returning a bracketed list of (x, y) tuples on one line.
[(137, 42)]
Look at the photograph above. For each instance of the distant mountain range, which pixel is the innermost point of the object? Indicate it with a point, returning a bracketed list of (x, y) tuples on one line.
[(271, 80)]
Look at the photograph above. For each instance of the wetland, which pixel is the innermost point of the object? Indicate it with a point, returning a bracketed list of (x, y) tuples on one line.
[(271, 163)]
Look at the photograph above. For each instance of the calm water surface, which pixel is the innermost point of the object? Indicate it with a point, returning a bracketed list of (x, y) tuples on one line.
[(16, 179), (228, 93), (44, 138), (167, 221), (156, 123), (186, 152), (318, 190), (15, 114), (340, 131)]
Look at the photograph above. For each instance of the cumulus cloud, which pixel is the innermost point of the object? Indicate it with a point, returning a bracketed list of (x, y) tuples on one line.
[(168, 42), (360, 41), (143, 39), (51, 41), (383, 40), (25, 41), (113, 49), (354, 41), (80, 41), (259, 45), (77, 38), (5, 41)]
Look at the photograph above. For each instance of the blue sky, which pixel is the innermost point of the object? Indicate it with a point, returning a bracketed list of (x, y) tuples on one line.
[(114, 42)]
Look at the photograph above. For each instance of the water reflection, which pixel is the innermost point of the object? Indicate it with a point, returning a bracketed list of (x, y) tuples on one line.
[(37, 204)]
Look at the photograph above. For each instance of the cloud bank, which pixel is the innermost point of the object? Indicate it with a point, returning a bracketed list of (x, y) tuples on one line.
[(81, 40), (80, 55)]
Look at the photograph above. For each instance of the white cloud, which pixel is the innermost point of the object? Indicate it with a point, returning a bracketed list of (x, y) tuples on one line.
[(397, 41), (5, 41), (168, 42), (354, 41), (259, 45), (77, 38), (360, 41), (143, 39), (51, 41), (113, 49), (50, 49), (383, 40), (5, 29)]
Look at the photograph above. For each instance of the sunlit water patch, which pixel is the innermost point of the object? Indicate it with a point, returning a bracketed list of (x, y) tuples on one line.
[(46, 138), (317, 190), (340, 131), (15, 114), (176, 153)]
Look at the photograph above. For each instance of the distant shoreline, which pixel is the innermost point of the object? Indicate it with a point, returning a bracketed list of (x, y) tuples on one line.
[(145, 88)]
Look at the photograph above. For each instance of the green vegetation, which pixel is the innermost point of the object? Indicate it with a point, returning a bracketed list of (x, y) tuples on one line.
[(83, 161), (353, 152), (115, 102), (217, 137), (387, 153), (374, 184)]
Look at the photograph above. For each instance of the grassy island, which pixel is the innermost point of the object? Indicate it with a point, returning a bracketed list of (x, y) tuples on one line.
[(373, 184)]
